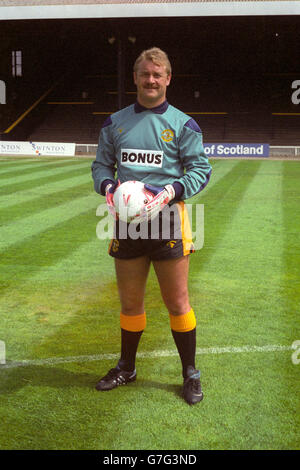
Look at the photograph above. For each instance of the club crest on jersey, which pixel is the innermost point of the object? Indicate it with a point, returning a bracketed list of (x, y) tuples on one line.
[(142, 157), (167, 135)]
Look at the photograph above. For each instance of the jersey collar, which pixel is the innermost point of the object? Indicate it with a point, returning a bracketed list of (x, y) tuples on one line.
[(160, 109)]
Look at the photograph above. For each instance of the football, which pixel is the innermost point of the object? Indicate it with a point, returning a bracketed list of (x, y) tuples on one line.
[(129, 198)]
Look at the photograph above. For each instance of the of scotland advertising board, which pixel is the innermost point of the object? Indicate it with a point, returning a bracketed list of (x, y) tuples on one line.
[(236, 150)]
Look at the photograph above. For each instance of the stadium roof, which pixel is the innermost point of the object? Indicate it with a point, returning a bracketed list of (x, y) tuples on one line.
[(50, 9), (97, 2)]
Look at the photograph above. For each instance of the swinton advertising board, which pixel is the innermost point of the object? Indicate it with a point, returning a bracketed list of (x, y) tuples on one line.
[(37, 148)]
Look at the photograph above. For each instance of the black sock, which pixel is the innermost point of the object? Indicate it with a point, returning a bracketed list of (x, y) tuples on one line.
[(186, 345), (129, 344)]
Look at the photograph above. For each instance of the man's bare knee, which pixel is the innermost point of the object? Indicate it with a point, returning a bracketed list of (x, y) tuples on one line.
[(132, 309)]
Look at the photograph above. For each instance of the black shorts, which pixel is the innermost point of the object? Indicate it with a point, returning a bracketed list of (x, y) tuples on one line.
[(167, 236)]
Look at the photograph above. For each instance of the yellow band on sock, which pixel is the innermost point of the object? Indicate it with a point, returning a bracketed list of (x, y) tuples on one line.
[(133, 322), (183, 323)]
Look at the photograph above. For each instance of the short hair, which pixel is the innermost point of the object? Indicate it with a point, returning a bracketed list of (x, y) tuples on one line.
[(157, 56)]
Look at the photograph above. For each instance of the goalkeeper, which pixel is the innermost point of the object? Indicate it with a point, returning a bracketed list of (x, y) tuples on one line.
[(153, 142)]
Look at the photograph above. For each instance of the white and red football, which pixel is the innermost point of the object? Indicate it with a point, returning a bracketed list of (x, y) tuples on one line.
[(129, 200)]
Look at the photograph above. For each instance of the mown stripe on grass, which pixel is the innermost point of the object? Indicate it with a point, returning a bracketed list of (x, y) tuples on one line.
[(39, 204), (50, 189), (246, 349), (41, 223), (219, 171), (16, 162), (15, 165), (38, 181), (243, 274), (47, 247), (291, 227), (32, 167), (22, 207), (221, 204), (31, 173), (253, 236), (87, 261)]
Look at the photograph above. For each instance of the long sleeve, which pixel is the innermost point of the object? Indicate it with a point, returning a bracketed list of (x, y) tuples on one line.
[(104, 167), (194, 160)]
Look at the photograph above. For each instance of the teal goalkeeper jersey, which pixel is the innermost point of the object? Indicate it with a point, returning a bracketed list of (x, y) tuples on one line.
[(158, 146)]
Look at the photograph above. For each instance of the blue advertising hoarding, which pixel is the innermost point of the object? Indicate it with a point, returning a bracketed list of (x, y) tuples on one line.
[(236, 150)]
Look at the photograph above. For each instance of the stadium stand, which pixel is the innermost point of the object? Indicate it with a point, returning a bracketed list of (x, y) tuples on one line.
[(73, 110), (78, 116), (70, 86)]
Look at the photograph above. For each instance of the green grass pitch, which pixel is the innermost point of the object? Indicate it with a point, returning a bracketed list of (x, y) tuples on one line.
[(59, 311)]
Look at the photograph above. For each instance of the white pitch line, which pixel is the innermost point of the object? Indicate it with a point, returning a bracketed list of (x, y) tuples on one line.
[(146, 355)]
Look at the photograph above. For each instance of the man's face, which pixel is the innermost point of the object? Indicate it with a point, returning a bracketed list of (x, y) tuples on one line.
[(151, 81)]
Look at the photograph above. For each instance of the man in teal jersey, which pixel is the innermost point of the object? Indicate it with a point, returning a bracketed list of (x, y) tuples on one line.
[(153, 142)]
